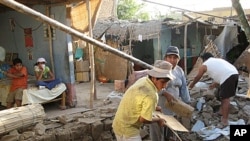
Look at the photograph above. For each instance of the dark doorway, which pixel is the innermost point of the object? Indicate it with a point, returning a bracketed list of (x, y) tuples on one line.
[(144, 51)]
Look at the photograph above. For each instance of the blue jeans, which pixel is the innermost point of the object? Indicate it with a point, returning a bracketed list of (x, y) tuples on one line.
[(49, 84)]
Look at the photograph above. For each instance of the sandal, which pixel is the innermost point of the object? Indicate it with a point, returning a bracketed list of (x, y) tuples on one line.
[(221, 126)]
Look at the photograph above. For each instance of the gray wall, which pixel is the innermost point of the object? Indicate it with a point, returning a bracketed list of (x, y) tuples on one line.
[(14, 41), (169, 37)]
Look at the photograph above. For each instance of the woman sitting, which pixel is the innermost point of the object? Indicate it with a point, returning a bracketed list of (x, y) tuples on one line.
[(45, 78)]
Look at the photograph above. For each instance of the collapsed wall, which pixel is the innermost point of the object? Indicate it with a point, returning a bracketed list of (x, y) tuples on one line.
[(90, 125)]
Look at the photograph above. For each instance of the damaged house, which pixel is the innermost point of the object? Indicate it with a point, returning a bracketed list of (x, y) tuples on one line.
[(149, 40), (28, 38)]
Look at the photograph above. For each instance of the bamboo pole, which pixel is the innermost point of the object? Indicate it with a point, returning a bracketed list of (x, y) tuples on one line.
[(92, 61), (185, 50), (50, 41), (21, 117), (40, 17)]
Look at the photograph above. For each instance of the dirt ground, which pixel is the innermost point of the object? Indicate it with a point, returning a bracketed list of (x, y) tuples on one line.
[(83, 96), (83, 93)]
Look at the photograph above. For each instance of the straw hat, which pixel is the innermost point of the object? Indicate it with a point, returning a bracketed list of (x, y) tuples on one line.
[(161, 69)]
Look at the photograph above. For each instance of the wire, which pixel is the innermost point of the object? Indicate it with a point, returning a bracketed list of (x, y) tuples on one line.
[(186, 10), (33, 29)]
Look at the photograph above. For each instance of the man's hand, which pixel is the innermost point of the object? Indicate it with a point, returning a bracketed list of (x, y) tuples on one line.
[(213, 85), (190, 86), (169, 97), (158, 108), (161, 122)]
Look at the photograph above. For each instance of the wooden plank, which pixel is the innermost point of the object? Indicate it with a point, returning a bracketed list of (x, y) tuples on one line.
[(171, 122), (180, 108)]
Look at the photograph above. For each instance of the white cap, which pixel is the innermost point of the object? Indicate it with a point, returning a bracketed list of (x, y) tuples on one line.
[(41, 60)]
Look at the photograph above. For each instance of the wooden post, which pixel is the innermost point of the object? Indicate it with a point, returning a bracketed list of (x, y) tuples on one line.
[(50, 41), (92, 61), (63, 101), (185, 49), (242, 17), (159, 47)]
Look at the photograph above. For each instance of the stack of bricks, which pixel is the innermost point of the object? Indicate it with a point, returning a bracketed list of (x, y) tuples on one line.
[(82, 70)]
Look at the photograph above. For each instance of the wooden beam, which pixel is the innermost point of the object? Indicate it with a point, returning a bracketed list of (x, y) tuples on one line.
[(92, 60)]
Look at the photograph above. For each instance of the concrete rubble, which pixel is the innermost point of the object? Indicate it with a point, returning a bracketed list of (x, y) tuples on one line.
[(95, 125), (205, 121), (92, 125)]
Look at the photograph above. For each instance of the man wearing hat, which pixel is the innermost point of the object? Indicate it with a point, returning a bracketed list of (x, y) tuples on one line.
[(177, 88), (45, 78), (140, 101)]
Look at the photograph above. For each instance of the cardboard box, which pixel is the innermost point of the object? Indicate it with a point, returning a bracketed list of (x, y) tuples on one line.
[(82, 76), (82, 66)]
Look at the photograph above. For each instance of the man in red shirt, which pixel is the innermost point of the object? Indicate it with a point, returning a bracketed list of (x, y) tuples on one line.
[(19, 75)]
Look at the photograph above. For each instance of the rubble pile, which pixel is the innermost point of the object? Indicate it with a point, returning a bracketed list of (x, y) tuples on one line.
[(96, 124), (206, 116), (92, 125)]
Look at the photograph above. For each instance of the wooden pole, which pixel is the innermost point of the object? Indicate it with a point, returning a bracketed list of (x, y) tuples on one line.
[(40, 17), (130, 65), (50, 41), (240, 12), (185, 50), (159, 47), (92, 61)]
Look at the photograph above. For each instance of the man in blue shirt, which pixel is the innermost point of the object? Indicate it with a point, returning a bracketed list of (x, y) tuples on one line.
[(176, 88)]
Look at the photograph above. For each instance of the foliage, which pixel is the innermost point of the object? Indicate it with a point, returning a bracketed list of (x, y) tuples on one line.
[(129, 10)]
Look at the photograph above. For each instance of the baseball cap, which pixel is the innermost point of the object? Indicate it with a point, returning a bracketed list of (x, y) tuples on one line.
[(41, 60), (172, 50), (161, 69)]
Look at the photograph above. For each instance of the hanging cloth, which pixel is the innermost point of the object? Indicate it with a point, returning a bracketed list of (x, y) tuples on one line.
[(79, 53), (28, 37)]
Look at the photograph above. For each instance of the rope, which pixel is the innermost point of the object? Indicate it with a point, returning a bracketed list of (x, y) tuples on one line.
[(33, 29)]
